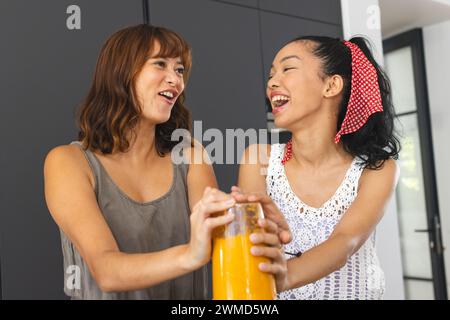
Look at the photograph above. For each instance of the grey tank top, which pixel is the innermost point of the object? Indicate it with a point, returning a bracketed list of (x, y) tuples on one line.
[(137, 228)]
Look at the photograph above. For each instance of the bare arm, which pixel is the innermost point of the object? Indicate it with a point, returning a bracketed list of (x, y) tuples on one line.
[(252, 188), (253, 167), (376, 188), (252, 182), (200, 174), (71, 200)]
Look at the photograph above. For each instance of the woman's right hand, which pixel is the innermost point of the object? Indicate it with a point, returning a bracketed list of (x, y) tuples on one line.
[(198, 251), (271, 211)]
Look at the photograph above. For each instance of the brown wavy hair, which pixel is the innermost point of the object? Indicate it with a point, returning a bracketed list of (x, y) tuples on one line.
[(111, 110)]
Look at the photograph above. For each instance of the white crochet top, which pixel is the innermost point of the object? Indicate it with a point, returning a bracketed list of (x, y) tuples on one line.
[(361, 277)]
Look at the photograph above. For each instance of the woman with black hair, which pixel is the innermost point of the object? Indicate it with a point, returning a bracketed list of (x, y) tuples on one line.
[(333, 179)]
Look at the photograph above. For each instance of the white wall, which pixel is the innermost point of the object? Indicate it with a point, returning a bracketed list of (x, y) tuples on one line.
[(437, 49), (362, 17)]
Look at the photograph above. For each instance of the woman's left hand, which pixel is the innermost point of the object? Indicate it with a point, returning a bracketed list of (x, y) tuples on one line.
[(270, 209), (267, 244)]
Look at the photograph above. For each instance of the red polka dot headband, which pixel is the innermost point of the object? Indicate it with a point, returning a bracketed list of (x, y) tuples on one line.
[(365, 97)]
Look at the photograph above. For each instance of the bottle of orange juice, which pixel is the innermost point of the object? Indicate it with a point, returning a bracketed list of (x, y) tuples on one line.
[(236, 275)]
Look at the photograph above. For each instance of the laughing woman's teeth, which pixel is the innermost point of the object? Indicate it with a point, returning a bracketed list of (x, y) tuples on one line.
[(278, 101), (167, 94)]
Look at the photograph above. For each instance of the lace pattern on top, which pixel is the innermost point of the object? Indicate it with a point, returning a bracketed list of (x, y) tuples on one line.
[(361, 277)]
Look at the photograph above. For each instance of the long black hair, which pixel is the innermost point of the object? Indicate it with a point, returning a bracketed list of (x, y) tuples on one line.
[(376, 141)]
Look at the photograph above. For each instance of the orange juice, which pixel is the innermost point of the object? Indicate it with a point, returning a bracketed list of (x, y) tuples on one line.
[(236, 275)]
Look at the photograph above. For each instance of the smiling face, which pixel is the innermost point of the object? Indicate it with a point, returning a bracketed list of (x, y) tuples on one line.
[(295, 88), (158, 85)]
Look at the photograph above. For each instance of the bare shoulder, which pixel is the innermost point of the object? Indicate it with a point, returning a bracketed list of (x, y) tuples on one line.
[(195, 153), (253, 168), (385, 178), (199, 162), (256, 154), (67, 151), (68, 159)]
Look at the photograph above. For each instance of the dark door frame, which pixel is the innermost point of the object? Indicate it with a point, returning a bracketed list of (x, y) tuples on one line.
[(414, 39)]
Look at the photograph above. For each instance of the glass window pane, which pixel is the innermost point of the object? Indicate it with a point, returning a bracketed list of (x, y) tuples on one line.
[(418, 290), (399, 68), (411, 202)]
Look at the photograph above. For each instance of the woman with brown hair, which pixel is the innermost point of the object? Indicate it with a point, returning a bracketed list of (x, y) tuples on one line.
[(135, 225)]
